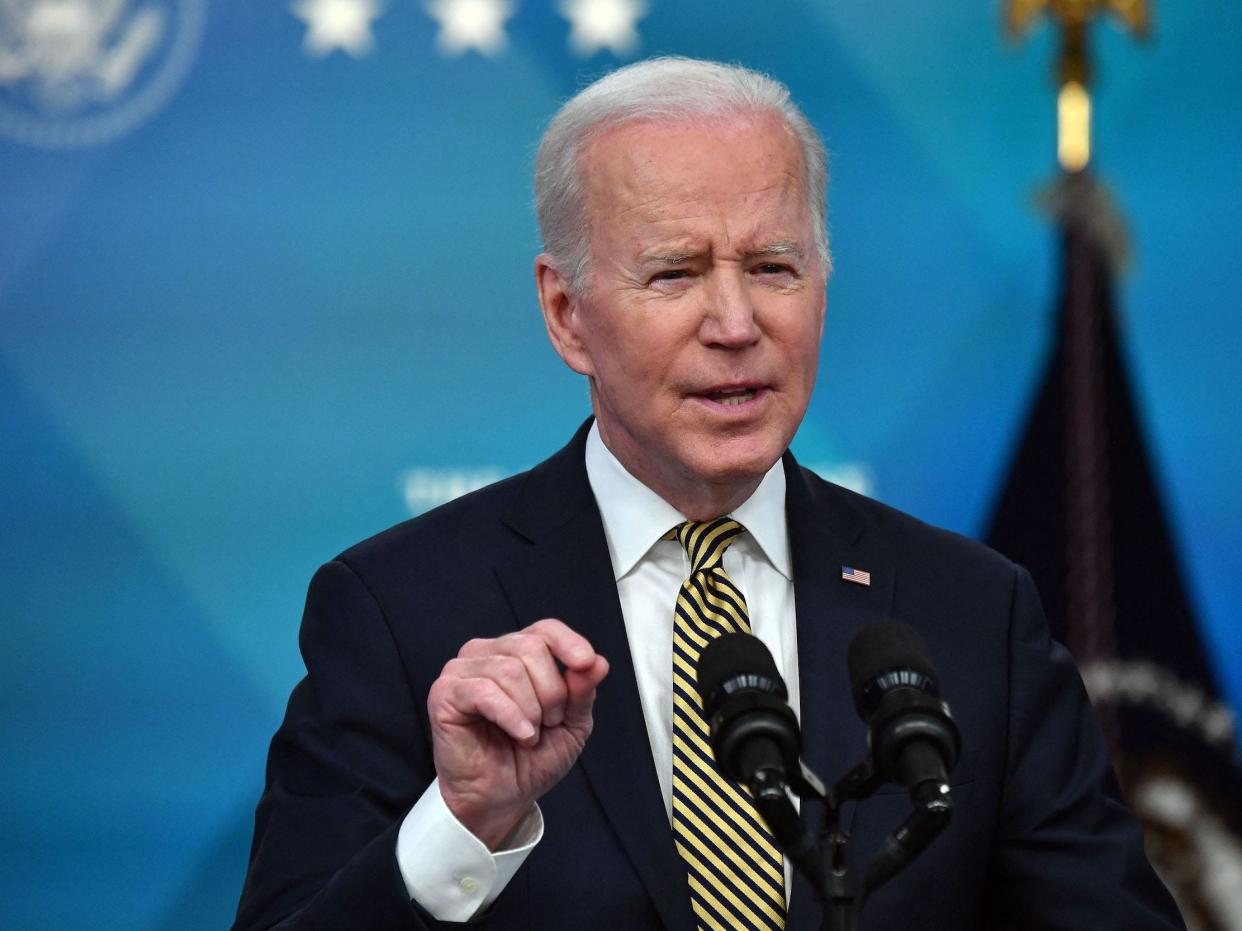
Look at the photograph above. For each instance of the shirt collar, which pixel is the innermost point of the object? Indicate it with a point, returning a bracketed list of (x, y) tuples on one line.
[(635, 517)]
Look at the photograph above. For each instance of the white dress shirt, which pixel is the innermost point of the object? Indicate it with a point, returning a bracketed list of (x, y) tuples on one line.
[(449, 871)]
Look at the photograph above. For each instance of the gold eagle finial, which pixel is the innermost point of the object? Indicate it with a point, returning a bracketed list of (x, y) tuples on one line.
[(1074, 61)]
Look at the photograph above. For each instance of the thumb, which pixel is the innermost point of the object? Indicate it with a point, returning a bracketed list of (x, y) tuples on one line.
[(581, 687)]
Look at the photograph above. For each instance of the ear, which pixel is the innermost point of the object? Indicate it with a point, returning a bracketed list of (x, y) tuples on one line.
[(823, 311), (562, 315)]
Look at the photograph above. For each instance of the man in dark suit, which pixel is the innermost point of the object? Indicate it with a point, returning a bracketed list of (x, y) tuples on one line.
[(460, 748)]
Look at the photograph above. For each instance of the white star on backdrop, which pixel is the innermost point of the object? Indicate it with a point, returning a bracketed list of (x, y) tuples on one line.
[(598, 24), (471, 24), (338, 24)]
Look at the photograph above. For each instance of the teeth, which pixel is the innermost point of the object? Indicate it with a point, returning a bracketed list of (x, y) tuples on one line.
[(735, 399)]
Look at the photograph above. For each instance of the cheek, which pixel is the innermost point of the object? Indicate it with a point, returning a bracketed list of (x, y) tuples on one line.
[(811, 358), (627, 367), (641, 349), (800, 339)]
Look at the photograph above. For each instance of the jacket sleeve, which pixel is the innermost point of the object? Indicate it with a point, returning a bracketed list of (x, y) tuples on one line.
[(1069, 853), (345, 766)]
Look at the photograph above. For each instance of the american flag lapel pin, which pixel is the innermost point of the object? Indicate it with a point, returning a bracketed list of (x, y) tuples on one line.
[(857, 576)]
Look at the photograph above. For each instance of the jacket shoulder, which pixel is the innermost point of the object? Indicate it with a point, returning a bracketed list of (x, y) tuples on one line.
[(904, 537), (454, 530)]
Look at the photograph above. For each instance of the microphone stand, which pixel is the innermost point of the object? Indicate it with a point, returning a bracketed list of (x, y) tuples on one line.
[(826, 864), (911, 739)]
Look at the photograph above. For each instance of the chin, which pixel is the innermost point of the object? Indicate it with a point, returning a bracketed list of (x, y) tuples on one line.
[(737, 463)]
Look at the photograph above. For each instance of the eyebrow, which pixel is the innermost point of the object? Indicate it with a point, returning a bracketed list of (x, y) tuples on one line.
[(681, 256), (783, 247)]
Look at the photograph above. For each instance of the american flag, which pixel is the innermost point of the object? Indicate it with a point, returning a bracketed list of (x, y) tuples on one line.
[(855, 575)]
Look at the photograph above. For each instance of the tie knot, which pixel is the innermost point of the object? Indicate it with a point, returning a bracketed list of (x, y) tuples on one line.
[(706, 541)]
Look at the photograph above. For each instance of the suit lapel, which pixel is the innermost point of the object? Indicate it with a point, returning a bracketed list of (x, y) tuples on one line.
[(826, 533), (567, 573)]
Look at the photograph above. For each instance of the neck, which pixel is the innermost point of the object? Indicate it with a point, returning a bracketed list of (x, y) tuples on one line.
[(694, 497), (707, 502)]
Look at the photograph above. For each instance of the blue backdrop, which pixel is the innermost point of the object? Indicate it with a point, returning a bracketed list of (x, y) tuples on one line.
[(265, 289)]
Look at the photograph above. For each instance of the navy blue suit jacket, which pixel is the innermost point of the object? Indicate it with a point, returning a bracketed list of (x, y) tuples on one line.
[(1039, 838)]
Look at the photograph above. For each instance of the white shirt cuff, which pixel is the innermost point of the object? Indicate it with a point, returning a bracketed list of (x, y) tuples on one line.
[(449, 871)]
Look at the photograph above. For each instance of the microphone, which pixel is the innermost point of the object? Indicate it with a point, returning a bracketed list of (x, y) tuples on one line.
[(754, 731), (755, 738), (910, 732)]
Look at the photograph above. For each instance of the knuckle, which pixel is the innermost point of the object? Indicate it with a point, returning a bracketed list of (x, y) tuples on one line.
[(510, 669), (437, 694), (522, 643), (450, 669), (555, 630), (474, 647), (491, 695)]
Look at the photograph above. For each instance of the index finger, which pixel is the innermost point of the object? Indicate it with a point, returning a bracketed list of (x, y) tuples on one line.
[(564, 643)]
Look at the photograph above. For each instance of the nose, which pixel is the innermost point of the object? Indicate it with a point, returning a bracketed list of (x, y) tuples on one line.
[(729, 319)]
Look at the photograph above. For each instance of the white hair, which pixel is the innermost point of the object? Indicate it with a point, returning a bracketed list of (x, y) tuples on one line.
[(670, 89)]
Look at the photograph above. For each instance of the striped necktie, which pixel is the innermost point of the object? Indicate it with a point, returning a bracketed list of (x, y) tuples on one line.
[(735, 871)]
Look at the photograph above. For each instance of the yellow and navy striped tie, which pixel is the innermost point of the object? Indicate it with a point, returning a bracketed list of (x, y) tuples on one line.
[(735, 871)]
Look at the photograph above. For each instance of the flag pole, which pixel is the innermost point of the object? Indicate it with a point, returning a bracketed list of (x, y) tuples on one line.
[(1089, 225)]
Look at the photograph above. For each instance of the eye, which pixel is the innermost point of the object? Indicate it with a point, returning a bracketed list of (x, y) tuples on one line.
[(772, 268), (671, 274)]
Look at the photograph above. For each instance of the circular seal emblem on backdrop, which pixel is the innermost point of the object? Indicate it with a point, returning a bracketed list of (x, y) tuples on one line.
[(82, 72)]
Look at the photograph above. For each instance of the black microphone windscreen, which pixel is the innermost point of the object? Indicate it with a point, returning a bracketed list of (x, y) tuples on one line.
[(882, 648), (729, 657)]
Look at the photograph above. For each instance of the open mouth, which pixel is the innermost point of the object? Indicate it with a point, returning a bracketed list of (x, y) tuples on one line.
[(732, 397)]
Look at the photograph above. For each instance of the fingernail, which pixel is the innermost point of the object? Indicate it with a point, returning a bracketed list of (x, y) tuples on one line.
[(526, 731)]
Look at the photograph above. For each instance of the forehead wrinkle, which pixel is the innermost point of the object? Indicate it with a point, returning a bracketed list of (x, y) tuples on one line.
[(637, 188), (669, 257), (672, 218), (677, 253), (701, 230)]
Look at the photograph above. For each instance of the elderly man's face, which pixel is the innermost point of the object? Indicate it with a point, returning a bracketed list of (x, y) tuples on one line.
[(701, 323)]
